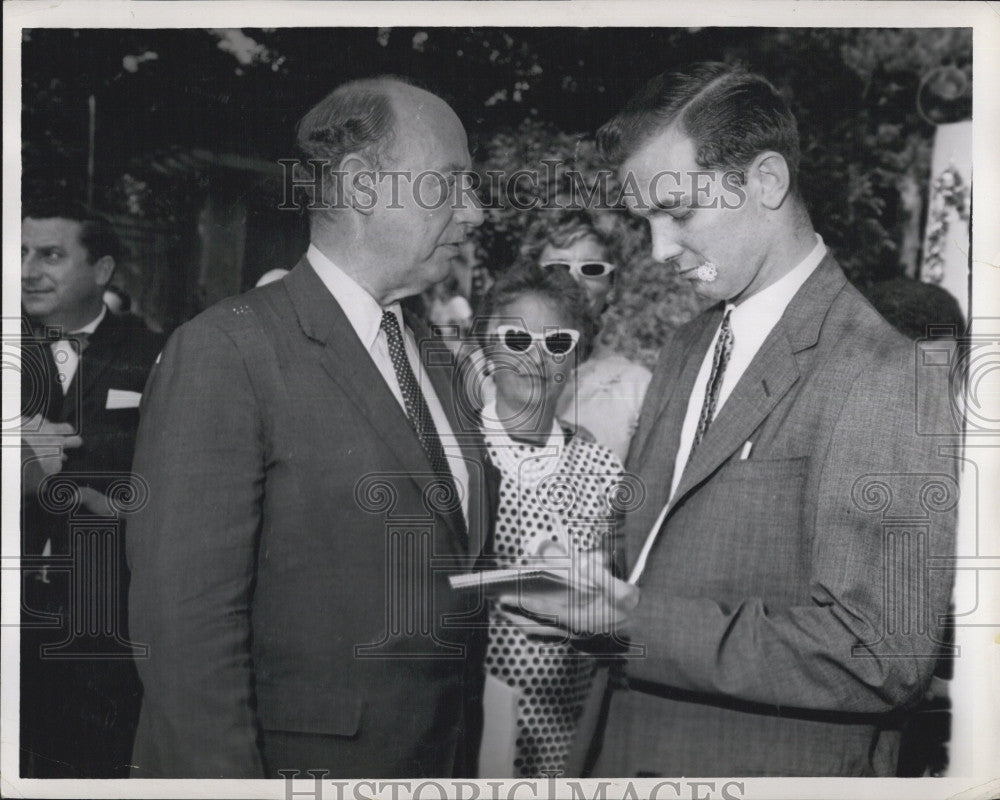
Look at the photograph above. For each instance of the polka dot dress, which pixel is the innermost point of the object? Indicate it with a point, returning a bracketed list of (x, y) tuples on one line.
[(570, 501)]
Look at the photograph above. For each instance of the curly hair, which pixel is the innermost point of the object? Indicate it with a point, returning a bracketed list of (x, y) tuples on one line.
[(561, 231)]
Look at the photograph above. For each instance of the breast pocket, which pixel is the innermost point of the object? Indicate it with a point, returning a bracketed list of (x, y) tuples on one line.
[(766, 470)]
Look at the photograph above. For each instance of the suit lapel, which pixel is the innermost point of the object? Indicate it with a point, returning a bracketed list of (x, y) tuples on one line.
[(439, 362), (770, 375), (41, 391), (768, 378), (672, 405), (654, 447), (348, 363), (93, 364), (656, 450)]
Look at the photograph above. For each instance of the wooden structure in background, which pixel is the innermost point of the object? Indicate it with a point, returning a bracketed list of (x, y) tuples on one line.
[(232, 234)]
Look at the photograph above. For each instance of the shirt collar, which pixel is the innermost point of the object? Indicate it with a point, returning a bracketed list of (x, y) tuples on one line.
[(360, 308), (91, 326), (770, 303)]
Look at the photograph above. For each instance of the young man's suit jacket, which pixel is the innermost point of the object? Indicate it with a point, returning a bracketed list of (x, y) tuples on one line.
[(788, 611), (289, 572), (79, 714)]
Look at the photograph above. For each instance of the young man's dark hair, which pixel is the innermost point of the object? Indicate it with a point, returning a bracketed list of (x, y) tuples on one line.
[(730, 113)]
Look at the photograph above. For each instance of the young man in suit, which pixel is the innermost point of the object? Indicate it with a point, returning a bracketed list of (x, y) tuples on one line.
[(311, 486), (786, 621), (84, 371)]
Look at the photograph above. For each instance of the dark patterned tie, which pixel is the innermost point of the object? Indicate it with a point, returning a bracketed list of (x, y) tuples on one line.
[(419, 414), (723, 349)]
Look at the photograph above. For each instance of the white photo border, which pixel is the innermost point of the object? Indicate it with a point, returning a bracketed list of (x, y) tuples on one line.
[(976, 701)]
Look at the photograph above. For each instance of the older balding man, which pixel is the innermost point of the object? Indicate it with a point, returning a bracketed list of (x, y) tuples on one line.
[(292, 625)]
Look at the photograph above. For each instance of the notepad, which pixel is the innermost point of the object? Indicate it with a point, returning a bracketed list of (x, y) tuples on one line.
[(496, 582)]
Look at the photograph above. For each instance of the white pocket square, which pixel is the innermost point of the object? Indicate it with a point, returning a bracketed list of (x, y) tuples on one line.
[(122, 398)]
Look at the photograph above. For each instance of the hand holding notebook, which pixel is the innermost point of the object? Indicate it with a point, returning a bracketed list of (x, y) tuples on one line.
[(573, 593)]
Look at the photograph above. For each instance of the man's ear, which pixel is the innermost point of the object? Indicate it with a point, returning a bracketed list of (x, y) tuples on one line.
[(358, 184), (104, 268), (771, 172)]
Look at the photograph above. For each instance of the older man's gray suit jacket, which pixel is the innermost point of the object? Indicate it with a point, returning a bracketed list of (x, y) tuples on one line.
[(789, 610), (289, 570)]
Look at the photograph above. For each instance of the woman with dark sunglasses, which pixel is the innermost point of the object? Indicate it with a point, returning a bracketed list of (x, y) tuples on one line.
[(555, 501), (607, 395)]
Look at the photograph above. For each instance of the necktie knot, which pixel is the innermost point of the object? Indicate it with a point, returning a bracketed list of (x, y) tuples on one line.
[(82, 339), (65, 353), (391, 326)]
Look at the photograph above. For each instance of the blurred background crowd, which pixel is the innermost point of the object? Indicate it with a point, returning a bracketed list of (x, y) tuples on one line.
[(176, 135)]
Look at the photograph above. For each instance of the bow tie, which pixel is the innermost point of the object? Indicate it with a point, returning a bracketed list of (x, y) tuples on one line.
[(83, 338)]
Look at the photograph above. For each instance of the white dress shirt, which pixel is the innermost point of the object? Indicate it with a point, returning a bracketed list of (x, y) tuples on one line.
[(67, 360), (752, 321), (66, 356), (365, 315)]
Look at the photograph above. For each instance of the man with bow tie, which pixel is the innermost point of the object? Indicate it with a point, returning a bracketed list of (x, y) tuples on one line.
[(83, 371)]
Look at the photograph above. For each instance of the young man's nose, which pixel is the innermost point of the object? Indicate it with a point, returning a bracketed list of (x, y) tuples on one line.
[(665, 245), (666, 242)]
